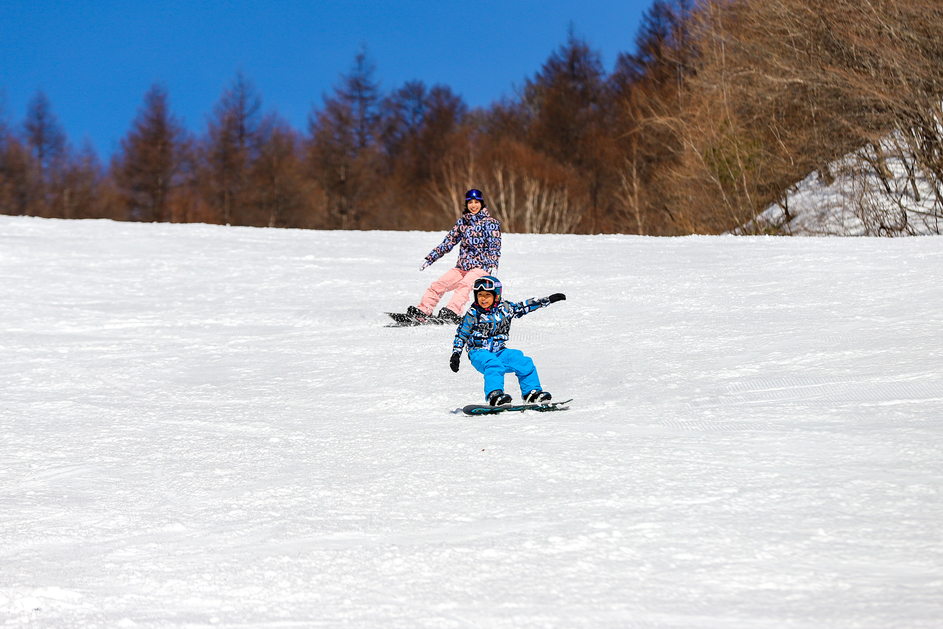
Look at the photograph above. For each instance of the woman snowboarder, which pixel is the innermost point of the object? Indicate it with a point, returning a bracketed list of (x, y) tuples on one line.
[(478, 235)]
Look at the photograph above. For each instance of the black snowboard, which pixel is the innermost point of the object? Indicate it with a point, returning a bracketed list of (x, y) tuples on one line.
[(484, 409), (403, 320)]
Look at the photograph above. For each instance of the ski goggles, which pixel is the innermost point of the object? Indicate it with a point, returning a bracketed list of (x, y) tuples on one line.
[(485, 283), (473, 195)]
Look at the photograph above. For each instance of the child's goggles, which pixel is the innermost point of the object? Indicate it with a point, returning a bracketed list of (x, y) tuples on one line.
[(485, 283)]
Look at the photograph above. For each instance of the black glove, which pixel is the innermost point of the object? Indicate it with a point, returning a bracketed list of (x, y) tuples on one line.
[(453, 361), (557, 297)]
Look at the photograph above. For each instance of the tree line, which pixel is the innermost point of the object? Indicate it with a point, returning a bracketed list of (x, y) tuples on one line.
[(722, 106)]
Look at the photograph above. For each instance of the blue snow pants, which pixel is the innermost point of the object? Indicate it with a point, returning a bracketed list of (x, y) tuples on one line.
[(495, 364)]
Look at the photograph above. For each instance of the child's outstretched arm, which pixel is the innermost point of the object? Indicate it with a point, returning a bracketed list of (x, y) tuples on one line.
[(527, 307)]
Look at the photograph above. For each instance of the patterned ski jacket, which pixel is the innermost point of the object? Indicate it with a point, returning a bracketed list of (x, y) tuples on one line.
[(480, 238), (488, 329)]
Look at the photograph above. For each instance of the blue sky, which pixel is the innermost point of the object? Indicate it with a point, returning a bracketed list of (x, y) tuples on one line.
[(95, 59)]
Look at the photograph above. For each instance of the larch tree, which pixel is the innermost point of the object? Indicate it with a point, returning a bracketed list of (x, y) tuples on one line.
[(342, 144), (14, 168), (46, 141), (277, 177), (152, 159), (230, 148)]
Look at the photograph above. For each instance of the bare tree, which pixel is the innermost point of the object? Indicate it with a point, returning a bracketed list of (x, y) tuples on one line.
[(46, 141), (567, 105), (402, 115), (14, 168), (44, 135), (530, 192), (787, 87), (419, 128), (343, 142), (84, 191), (457, 174), (152, 159), (230, 148), (277, 177)]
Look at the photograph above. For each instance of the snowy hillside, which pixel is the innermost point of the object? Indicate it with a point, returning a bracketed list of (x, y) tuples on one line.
[(204, 426), (869, 194)]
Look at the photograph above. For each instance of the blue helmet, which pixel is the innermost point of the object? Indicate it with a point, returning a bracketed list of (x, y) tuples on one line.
[(474, 194), (488, 283)]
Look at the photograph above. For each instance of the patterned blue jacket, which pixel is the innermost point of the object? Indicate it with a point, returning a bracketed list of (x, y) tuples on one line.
[(488, 329), (480, 238)]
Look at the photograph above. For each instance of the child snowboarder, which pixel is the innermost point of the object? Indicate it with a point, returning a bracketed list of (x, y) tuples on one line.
[(484, 330), (479, 237)]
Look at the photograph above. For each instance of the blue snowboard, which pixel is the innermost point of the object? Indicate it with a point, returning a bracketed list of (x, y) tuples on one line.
[(484, 409)]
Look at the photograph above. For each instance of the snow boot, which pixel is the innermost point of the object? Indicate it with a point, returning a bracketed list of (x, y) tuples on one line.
[(537, 397), (417, 314), (499, 398), (449, 315)]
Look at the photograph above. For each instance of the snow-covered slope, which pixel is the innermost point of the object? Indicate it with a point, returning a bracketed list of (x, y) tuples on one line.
[(206, 426)]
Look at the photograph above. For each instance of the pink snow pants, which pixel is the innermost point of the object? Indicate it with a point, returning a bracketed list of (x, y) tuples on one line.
[(455, 280)]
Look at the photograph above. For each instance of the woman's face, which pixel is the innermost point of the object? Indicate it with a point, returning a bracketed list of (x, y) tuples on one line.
[(474, 206)]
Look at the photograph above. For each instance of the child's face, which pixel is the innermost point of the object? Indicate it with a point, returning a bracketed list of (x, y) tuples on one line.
[(474, 206), (485, 299)]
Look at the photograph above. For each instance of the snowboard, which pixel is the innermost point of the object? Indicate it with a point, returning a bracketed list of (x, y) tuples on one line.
[(403, 320), (484, 409)]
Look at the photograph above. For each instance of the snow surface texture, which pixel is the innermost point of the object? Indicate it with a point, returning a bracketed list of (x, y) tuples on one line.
[(208, 426)]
